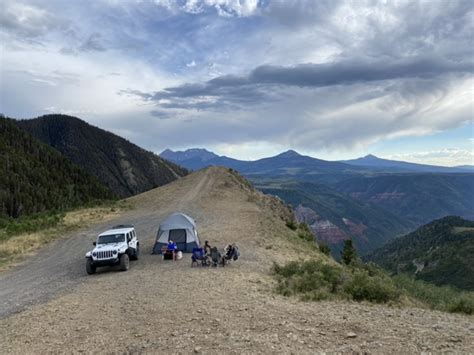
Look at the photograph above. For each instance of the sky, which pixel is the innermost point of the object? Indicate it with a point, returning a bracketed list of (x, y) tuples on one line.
[(250, 79)]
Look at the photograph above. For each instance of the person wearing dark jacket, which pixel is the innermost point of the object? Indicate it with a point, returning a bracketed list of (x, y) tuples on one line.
[(207, 248)]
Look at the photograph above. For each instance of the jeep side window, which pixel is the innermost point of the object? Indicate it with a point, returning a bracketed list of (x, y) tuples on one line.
[(128, 237), (134, 234)]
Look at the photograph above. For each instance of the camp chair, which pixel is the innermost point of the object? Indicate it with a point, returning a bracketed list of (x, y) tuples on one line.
[(215, 257), (198, 255), (232, 254)]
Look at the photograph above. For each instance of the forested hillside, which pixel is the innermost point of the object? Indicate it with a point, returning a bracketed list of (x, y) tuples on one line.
[(34, 177), (415, 198), (440, 252), (334, 217), (122, 166)]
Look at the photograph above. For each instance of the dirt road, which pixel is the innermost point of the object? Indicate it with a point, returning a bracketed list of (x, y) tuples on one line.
[(160, 306)]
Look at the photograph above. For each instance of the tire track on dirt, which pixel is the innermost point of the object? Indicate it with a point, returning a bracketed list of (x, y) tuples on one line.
[(59, 266)]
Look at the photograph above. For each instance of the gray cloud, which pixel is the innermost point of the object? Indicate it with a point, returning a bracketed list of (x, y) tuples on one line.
[(264, 83), (26, 21), (300, 13), (93, 43)]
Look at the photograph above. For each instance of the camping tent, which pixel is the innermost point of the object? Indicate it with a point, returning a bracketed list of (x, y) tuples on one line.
[(179, 228)]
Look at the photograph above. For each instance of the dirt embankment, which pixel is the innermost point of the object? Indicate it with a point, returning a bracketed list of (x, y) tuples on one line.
[(160, 306)]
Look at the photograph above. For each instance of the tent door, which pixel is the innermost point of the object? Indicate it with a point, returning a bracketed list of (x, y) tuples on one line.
[(179, 237)]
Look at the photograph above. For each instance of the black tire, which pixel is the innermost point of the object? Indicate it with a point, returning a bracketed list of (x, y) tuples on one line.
[(136, 253), (124, 262), (90, 268)]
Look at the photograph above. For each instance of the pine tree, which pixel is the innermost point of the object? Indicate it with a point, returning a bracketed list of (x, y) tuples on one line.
[(349, 253)]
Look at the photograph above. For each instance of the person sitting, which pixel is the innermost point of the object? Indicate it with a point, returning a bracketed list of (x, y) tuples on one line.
[(231, 252), (207, 248), (215, 256), (228, 253), (171, 249), (172, 245)]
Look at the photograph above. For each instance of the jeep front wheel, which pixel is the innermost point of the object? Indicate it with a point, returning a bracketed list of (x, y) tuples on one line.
[(124, 262), (90, 268)]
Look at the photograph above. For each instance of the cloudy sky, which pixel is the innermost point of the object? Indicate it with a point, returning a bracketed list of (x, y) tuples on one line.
[(248, 79)]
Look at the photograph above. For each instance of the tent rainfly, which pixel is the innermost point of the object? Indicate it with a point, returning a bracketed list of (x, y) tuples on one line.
[(179, 228)]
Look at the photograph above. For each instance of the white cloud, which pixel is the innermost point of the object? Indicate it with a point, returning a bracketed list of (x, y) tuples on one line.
[(234, 7), (443, 157)]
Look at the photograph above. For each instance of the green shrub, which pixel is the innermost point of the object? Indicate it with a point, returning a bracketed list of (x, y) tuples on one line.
[(443, 298), (305, 233), (29, 224), (317, 280), (324, 248), (463, 304), (313, 279), (379, 289), (292, 225)]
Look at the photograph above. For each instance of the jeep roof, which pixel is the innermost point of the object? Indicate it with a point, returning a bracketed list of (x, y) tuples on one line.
[(117, 231), (121, 226)]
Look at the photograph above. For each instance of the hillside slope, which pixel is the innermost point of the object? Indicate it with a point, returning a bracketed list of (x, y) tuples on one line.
[(122, 166), (169, 307), (440, 252), (35, 178)]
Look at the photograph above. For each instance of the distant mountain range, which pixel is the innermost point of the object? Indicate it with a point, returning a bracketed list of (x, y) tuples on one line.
[(123, 167), (202, 155), (197, 158), (402, 166), (36, 178), (291, 162), (370, 200), (440, 252)]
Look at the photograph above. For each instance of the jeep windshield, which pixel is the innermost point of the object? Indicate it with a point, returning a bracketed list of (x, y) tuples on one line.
[(111, 238)]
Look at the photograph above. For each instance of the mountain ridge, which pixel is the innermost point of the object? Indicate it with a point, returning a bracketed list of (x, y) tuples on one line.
[(197, 158), (122, 166), (37, 178)]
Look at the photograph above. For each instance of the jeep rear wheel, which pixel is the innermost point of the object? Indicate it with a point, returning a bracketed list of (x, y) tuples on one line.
[(136, 252), (124, 262), (90, 268)]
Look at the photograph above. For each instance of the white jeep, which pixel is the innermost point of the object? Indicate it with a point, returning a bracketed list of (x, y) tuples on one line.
[(117, 246)]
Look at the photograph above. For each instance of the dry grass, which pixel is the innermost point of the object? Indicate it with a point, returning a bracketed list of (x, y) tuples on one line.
[(15, 249)]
